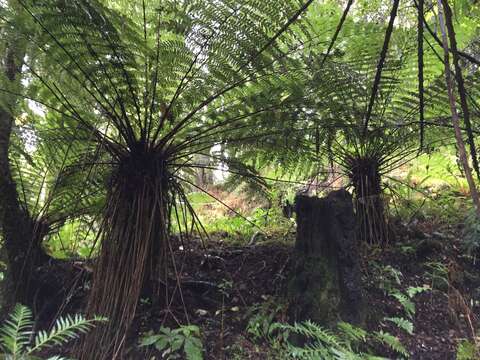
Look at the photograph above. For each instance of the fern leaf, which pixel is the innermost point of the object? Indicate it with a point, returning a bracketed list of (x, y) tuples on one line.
[(17, 330), (352, 333), (65, 329), (407, 304), (402, 323), (392, 342)]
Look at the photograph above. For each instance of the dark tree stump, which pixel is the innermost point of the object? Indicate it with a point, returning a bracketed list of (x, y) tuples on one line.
[(325, 284)]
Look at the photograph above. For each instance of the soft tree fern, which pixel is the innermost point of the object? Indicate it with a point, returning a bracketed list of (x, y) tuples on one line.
[(150, 85)]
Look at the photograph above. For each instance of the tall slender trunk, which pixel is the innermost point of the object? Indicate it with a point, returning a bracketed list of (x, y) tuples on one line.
[(462, 154), (22, 234), (460, 85)]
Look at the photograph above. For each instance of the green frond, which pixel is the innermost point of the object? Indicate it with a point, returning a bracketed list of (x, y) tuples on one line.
[(392, 342), (65, 329), (407, 304), (16, 331), (402, 323)]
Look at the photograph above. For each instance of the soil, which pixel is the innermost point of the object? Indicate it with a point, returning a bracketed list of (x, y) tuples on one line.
[(222, 285)]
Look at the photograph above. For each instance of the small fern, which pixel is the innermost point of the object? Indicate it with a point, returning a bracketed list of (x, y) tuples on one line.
[(17, 332), (402, 323), (415, 290), (392, 342), (320, 343), (406, 303), (354, 333)]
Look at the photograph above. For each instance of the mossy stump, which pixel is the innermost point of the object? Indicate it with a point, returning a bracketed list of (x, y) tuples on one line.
[(325, 284)]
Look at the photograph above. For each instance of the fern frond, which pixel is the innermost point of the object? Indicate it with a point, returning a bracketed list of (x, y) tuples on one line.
[(406, 303), (402, 323), (352, 333), (392, 342), (17, 330), (65, 329)]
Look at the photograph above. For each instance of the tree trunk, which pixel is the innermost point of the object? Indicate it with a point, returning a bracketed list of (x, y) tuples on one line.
[(369, 206), (462, 154), (133, 252), (326, 281), (22, 235)]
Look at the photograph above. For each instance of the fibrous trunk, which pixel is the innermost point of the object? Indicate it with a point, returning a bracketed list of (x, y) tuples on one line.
[(370, 207), (133, 249)]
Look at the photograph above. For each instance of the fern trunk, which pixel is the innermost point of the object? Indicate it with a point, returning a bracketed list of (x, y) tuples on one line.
[(134, 246), (22, 236), (370, 207)]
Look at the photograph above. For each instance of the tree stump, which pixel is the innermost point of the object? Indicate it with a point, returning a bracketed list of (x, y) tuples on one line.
[(325, 284)]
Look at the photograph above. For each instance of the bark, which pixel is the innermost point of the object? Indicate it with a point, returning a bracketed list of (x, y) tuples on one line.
[(134, 252), (462, 154), (326, 281), (421, 102), (22, 235), (460, 85)]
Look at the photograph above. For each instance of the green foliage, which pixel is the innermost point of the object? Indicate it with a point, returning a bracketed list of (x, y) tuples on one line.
[(269, 222), (319, 343), (17, 332), (430, 187), (392, 342), (438, 274), (175, 342), (386, 277), (308, 340), (389, 279), (405, 300), (402, 323), (406, 303), (467, 350), (471, 237), (262, 318)]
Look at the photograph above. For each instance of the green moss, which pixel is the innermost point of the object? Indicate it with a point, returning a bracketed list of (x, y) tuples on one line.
[(314, 290)]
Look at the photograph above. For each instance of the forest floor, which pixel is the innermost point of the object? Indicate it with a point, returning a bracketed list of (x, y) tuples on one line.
[(224, 286)]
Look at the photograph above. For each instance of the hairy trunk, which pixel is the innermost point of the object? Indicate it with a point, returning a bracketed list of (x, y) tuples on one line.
[(133, 249), (370, 207)]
